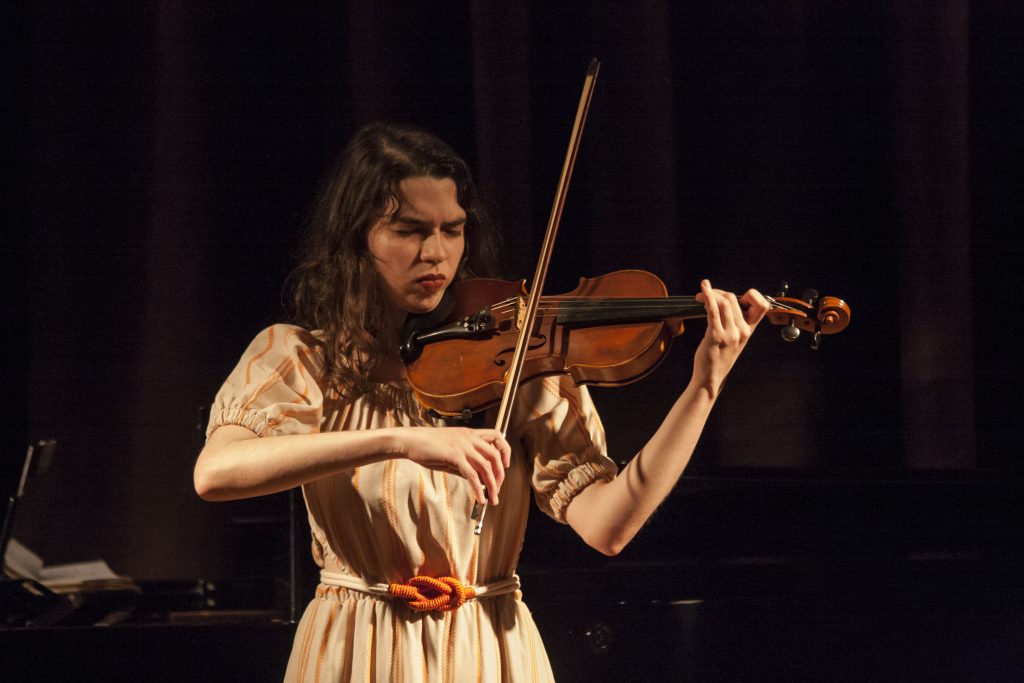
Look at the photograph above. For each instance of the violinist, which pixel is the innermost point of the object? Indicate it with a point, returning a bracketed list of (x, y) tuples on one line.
[(407, 589)]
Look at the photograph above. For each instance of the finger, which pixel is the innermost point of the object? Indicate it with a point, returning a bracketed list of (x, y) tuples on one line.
[(470, 474), (757, 304), (494, 437), (710, 304), (730, 309), (484, 465), (506, 451), (724, 320), (494, 459), (502, 453)]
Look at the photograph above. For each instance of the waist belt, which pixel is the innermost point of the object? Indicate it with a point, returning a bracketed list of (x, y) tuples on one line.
[(423, 593)]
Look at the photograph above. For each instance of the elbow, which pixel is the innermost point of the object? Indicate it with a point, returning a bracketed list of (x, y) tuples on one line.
[(612, 549), (219, 473), (206, 484), (607, 550), (598, 524), (608, 545), (202, 484)]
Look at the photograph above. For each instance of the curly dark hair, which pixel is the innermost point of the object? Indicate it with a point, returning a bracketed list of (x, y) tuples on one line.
[(335, 287)]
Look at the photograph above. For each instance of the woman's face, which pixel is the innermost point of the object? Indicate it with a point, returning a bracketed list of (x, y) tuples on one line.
[(418, 247)]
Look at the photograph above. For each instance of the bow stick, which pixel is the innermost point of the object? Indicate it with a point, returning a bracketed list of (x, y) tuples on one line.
[(514, 373)]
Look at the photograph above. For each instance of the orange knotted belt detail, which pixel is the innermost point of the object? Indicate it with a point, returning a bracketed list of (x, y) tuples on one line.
[(429, 594)]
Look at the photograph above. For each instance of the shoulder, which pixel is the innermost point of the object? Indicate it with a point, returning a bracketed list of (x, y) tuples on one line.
[(283, 340), (277, 387), (284, 335)]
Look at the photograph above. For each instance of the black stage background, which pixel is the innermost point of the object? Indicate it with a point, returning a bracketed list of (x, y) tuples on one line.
[(160, 156)]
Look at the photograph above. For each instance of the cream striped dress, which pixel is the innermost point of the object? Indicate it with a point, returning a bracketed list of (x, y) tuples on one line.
[(390, 521)]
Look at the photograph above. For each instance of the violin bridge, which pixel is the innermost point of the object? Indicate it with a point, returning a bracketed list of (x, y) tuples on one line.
[(520, 313)]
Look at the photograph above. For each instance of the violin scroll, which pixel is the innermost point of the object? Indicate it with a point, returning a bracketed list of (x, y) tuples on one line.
[(810, 313)]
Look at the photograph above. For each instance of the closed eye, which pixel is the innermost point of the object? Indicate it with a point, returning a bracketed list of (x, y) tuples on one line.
[(405, 222)]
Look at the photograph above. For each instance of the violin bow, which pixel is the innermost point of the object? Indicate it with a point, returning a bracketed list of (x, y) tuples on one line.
[(515, 370)]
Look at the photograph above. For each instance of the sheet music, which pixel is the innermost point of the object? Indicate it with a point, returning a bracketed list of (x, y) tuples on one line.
[(20, 562), (92, 575)]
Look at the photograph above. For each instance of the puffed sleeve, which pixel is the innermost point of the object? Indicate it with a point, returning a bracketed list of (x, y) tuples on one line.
[(275, 388), (564, 439)]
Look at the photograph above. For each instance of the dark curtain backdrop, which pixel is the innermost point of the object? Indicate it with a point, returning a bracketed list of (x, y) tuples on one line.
[(161, 157)]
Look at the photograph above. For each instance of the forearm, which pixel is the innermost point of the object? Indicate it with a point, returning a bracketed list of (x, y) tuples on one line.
[(235, 463), (607, 515)]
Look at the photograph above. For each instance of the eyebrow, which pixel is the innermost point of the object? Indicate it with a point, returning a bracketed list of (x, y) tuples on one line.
[(416, 222)]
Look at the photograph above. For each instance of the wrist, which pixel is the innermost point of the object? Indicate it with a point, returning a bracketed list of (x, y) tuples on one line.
[(705, 389), (391, 442)]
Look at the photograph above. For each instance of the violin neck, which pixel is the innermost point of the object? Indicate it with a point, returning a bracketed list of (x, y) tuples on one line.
[(595, 311)]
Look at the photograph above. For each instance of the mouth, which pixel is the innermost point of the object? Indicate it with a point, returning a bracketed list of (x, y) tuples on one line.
[(432, 283)]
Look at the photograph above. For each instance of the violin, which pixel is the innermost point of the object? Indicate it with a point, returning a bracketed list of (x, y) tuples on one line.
[(609, 331)]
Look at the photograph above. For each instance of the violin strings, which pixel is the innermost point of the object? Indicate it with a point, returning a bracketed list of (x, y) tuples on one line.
[(601, 302), (612, 304)]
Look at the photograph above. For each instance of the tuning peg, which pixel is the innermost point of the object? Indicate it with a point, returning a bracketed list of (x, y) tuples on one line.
[(791, 332), (816, 341), (783, 289), (810, 297)]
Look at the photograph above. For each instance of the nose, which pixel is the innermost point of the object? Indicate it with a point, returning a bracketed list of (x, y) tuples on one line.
[(433, 248)]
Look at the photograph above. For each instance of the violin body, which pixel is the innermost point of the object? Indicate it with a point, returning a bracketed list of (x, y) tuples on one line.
[(456, 374)]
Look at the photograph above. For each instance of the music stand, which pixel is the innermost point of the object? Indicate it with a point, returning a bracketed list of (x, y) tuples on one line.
[(25, 601)]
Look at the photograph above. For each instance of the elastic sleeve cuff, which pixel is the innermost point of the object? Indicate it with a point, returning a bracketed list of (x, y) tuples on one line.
[(253, 420), (577, 479)]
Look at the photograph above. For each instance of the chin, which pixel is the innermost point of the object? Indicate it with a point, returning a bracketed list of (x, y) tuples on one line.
[(417, 305)]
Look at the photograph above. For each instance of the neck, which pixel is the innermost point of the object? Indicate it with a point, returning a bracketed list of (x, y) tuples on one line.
[(598, 311), (389, 368), (391, 327)]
